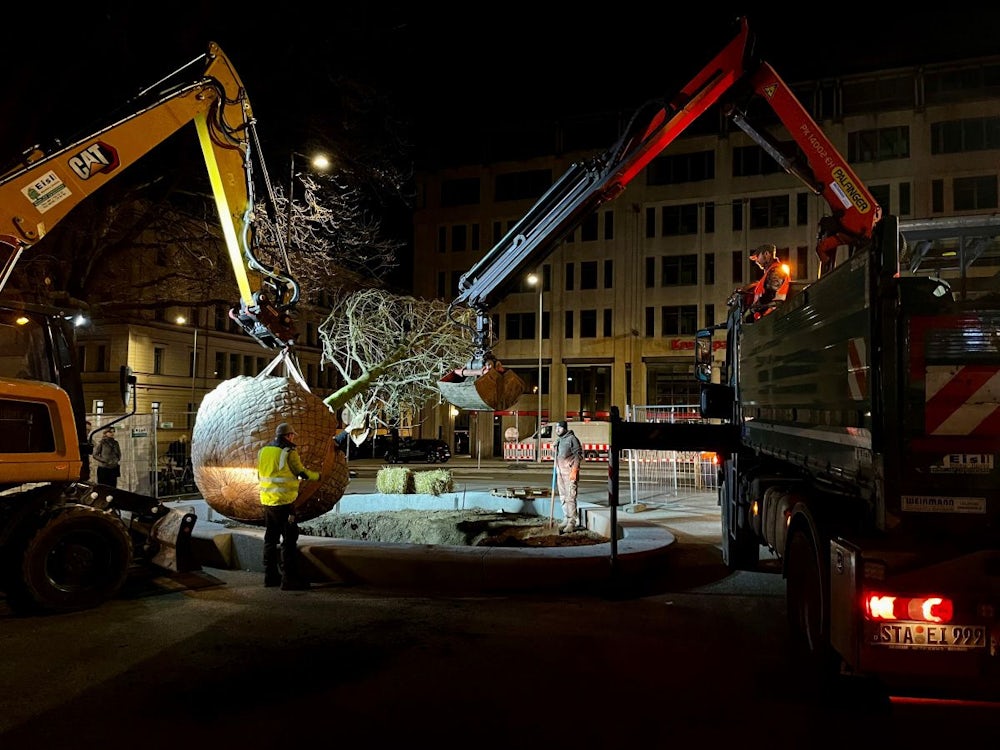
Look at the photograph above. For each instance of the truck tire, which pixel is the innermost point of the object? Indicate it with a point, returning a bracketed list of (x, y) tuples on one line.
[(806, 573), (78, 558), (740, 549)]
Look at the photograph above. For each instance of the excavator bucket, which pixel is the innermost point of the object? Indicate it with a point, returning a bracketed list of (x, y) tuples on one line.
[(495, 390)]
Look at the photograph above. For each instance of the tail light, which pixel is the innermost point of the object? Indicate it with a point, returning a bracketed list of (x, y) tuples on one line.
[(885, 607)]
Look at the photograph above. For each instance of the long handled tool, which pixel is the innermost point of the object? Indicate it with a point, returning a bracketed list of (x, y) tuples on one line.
[(552, 497)]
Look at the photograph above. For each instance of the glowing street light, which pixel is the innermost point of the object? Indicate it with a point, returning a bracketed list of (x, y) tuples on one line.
[(319, 162), (537, 279)]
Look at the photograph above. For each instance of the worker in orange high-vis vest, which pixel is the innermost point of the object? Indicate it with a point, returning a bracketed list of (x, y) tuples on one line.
[(279, 471), (773, 283)]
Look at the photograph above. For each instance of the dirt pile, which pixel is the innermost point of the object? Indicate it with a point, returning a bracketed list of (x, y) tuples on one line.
[(456, 528)]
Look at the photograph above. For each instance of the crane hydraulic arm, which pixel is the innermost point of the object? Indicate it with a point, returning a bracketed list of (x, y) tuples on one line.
[(587, 185), (824, 171), (42, 190), (579, 192)]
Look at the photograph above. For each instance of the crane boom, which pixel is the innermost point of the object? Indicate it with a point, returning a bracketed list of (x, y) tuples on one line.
[(40, 192)]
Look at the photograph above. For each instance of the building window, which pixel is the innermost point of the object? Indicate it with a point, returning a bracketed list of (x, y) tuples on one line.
[(609, 225), (588, 324), (592, 384), (650, 273), (678, 319), (527, 184), (709, 218), (609, 267), (737, 215), (81, 357), (608, 323), (801, 270), (972, 134), (679, 220), (442, 284), (650, 223), (675, 168), (737, 257), (588, 229), (520, 326), (568, 333), (158, 355), (459, 238), (879, 144), (460, 192), (570, 279), (220, 365), (442, 239), (248, 365), (709, 315), (937, 196), (588, 274), (802, 209), (904, 199), (881, 195), (769, 212), (709, 269), (102, 358), (234, 365), (680, 270), (650, 320), (974, 193), (749, 161)]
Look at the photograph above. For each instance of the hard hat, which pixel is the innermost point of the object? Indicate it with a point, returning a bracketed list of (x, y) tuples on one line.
[(284, 429)]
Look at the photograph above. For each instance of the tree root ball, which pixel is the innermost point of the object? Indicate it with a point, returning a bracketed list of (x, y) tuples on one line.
[(237, 419)]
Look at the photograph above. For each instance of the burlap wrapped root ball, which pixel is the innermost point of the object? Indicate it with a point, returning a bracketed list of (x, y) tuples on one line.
[(237, 419)]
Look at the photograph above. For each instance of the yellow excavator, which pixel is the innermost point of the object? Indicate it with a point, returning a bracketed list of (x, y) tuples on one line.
[(67, 543)]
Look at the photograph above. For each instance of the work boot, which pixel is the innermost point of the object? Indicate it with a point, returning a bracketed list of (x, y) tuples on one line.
[(272, 578)]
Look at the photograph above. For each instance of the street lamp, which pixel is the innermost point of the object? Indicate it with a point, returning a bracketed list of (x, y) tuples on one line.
[(320, 162), (537, 279)]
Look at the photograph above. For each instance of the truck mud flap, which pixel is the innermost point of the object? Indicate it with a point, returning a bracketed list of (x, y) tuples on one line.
[(494, 391)]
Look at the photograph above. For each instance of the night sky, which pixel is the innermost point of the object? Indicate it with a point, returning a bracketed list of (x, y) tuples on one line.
[(448, 72)]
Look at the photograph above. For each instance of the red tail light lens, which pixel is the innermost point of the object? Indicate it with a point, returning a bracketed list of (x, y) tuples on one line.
[(879, 606)]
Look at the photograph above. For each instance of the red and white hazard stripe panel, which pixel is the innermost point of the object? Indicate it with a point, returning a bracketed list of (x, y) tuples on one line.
[(962, 400), (857, 369)]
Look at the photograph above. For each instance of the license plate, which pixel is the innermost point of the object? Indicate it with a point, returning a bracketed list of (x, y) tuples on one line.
[(928, 636)]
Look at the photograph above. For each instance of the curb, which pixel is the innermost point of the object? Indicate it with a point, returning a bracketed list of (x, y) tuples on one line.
[(640, 549)]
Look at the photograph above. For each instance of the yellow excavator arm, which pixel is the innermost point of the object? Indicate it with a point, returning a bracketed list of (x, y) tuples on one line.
[(46, 187)]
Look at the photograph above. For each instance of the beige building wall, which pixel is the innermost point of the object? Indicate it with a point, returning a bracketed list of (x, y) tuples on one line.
[(919, 98)]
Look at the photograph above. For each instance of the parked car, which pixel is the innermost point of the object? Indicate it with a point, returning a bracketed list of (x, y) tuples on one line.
[(419, 449)]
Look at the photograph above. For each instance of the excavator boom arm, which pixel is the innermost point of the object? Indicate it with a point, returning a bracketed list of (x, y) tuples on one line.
[(40, 193)]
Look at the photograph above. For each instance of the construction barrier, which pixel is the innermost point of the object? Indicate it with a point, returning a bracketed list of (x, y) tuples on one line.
[(526, 451)]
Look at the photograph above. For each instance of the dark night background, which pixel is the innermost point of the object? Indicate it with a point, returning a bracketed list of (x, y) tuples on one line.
[(446, 72), (447, 69)]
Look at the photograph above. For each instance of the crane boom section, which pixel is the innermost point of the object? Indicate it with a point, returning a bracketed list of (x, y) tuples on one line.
[(46, 187), (587, 185)]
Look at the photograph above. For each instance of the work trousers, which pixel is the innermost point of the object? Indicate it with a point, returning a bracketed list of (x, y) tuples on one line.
[(280, 527), (567, 497)]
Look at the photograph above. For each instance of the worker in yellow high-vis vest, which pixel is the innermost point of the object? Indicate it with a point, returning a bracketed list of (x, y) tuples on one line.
[(279, 470)]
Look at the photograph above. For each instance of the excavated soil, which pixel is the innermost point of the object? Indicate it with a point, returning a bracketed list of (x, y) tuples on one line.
[(456, 528)]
